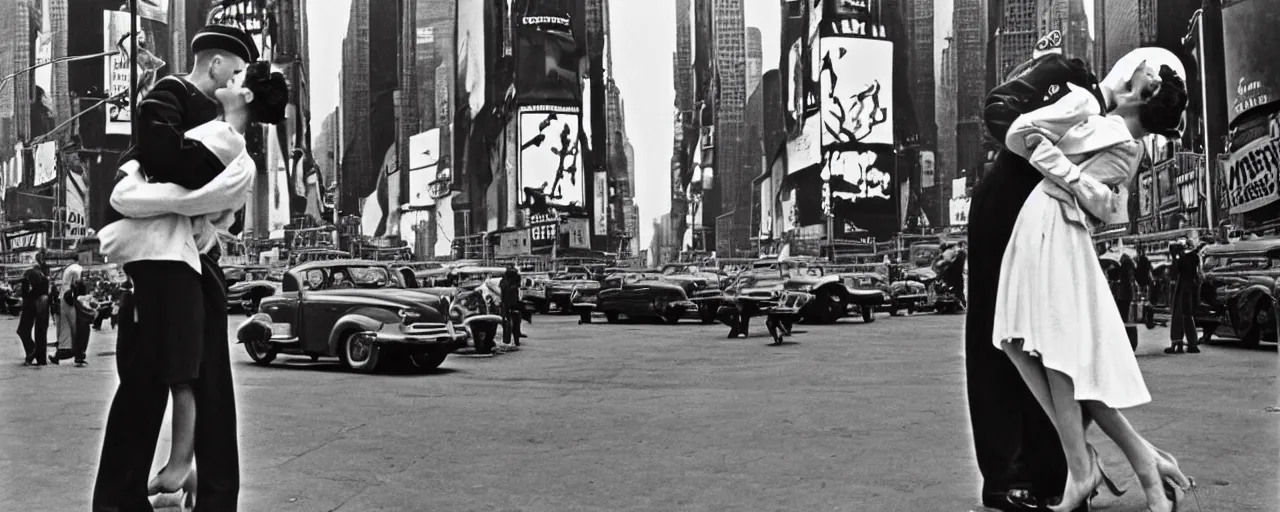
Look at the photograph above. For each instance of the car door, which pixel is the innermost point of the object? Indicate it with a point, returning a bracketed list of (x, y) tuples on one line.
[(283, 309), (318, 311)]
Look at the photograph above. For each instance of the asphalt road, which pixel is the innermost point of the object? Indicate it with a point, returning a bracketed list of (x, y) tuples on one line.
[(855, 417)]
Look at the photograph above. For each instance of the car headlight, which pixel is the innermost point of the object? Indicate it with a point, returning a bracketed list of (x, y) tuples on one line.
[(409, 316)]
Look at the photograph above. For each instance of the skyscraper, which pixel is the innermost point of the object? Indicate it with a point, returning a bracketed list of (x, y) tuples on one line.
[(1016, 37), (970, 47), (1068, 17), (728, 23), (923, 86), (1099, 37), (433, 46), (357, 166), (1122, 33), (946, 109), (755, 59)]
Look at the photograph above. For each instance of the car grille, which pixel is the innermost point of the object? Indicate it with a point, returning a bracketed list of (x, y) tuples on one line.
[(430, 329)]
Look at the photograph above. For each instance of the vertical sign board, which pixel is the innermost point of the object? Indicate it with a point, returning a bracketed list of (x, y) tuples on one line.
[(600, 215), (115, 26), (579, 233)]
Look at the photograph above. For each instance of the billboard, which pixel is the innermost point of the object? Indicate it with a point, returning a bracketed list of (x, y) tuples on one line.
[(857, 91), (1252, 175), (424, 158), (547, 61), (116, 37), (805, 150), (549, 170), (928, 169), (1249, 40), (858, 185)]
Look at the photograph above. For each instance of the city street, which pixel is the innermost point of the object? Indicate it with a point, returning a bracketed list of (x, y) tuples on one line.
[(854, 417)]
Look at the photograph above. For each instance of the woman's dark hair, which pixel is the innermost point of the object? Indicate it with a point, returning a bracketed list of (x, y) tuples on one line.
[(1161, 114), (270, 93)]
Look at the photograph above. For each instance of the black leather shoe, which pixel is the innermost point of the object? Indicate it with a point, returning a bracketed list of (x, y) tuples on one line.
[(1016, 500)]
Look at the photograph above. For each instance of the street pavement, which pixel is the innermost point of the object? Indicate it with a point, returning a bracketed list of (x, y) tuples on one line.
[(853, 417)]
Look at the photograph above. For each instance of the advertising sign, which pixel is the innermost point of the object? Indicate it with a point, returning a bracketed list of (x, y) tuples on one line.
[(513, 243), (157, 10), (46, 162), (805, 150), (600, 206), (857, 91), (549, 170), (1251, 175), (1249, 40), (77, 198), (928, 168), (579, 233), (959, 207), (795, 79), (115, 26), (547, 62), (1144, 194), (471, 65), (543, 229), (766, 208)]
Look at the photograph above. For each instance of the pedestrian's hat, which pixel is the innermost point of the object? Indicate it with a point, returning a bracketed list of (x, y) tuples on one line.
[(226, 38)]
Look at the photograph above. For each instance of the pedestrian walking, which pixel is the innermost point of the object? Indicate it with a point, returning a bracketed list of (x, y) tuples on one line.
[(512, 309), (33, 324), (183, 181), (1188, 274), (1125, 287), (77, 310), (1066, 341)]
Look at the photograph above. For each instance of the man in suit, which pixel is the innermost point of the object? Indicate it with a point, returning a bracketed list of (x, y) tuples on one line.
[(33, 324), (1018, 450)]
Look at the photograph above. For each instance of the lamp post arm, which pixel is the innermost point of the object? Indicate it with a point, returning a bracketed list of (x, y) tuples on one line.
[(71, 58)]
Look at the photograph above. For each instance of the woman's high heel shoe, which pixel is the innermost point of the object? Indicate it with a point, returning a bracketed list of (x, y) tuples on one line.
[(1099, 479)]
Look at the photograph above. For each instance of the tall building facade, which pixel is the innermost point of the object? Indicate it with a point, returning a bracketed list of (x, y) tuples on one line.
[(1123, 29), (355, 105), (946, 112), (919, 18), (755, 59), (970, 47), (1068, 17), (1017, 35), (19, 22), (683, 123), (433, 46), (1100, 36), (733, 184)]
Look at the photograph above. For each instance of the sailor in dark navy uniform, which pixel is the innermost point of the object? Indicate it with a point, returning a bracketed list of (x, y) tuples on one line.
[(174, 106)]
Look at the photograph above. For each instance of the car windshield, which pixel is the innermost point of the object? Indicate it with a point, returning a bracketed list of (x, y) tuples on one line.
[(573, 276), (257, 275), (370, 277), (680, 270), (1235, 263), (477, 276), (758, 281)]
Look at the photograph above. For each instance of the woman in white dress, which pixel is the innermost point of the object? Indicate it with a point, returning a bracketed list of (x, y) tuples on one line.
[(1055, 316)]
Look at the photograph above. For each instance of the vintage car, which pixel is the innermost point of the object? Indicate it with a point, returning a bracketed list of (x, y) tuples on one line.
[(767, 288), (456, 278), (355, 310), (582, 301), (247, 285), (903, 294), (693, 277), (559, 288), (639, 295), (1240, 289)]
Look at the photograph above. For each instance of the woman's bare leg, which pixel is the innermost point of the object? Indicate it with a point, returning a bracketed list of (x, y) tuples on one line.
[(182, 454), (1033, 374), (1082, 470), (1150, 466)]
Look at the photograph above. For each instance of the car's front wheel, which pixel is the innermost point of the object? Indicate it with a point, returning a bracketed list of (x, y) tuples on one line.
[(611, 316), (260, 351), (359, 352), (868, 314)]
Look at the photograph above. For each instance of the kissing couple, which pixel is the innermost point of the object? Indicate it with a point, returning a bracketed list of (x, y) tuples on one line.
[(1047, 353), (180, 185)]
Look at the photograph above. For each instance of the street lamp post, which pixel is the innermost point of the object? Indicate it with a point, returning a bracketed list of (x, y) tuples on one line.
[(133, 71)]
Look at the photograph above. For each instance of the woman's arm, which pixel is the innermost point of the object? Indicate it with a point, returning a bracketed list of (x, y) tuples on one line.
[(1051, 121), (229, 190), (1103, 201)]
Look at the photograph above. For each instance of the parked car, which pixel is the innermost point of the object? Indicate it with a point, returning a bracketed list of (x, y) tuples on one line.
[(248, 285), (902, 294), (643, 295), (1240, 289), (768, 288), (833, 295), (558, 291), (693, 277), (355, 310)]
